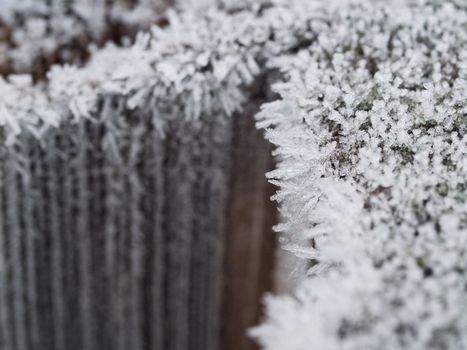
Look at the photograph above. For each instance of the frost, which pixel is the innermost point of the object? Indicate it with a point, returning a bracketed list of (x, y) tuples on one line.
[(34, 114), (372, 171), (34, 30), (370, 133), (112, 207)]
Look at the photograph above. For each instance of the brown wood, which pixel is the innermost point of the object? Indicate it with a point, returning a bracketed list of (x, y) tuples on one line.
[(249, 246), (77, 50), (250, 242)]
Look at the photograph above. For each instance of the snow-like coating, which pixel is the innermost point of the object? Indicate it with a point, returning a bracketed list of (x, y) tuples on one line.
[(33, 31), (371, 136)]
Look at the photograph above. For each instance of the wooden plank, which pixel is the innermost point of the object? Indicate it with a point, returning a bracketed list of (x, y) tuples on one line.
[(250, 242)]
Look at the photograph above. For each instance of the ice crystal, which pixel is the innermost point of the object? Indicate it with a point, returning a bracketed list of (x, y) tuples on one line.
[(370, 133), (33, 31), (372, 173)]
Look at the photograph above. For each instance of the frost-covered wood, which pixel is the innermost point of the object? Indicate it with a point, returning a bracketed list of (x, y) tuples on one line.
[(249, 255), (35, 34), (370, 130), (371, 142), (122, 246), (123, 172)]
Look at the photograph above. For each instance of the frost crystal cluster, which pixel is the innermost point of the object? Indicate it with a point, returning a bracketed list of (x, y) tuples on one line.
[(371, 136), (33, 32), (115, 185), (129, 157)]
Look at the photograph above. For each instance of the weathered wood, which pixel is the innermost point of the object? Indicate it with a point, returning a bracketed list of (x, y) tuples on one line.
[(56, 48), (116, 237), (249, 253)]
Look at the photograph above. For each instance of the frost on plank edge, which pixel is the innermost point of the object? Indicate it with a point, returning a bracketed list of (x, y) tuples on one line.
[(371, 136), (195, 66), (371, 146)]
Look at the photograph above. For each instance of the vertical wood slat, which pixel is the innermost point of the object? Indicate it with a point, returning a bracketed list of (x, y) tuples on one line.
[(6, 336), (250, 242), (153, 243)]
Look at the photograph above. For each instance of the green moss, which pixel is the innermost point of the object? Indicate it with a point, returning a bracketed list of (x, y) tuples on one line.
[(366, 125), (460, 125), (405, 152), (442, 189), (365, 105), (412, 87), (411, 104), (459, 105), (441, 98), (427, 125), (449, 164), (461, 196)]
